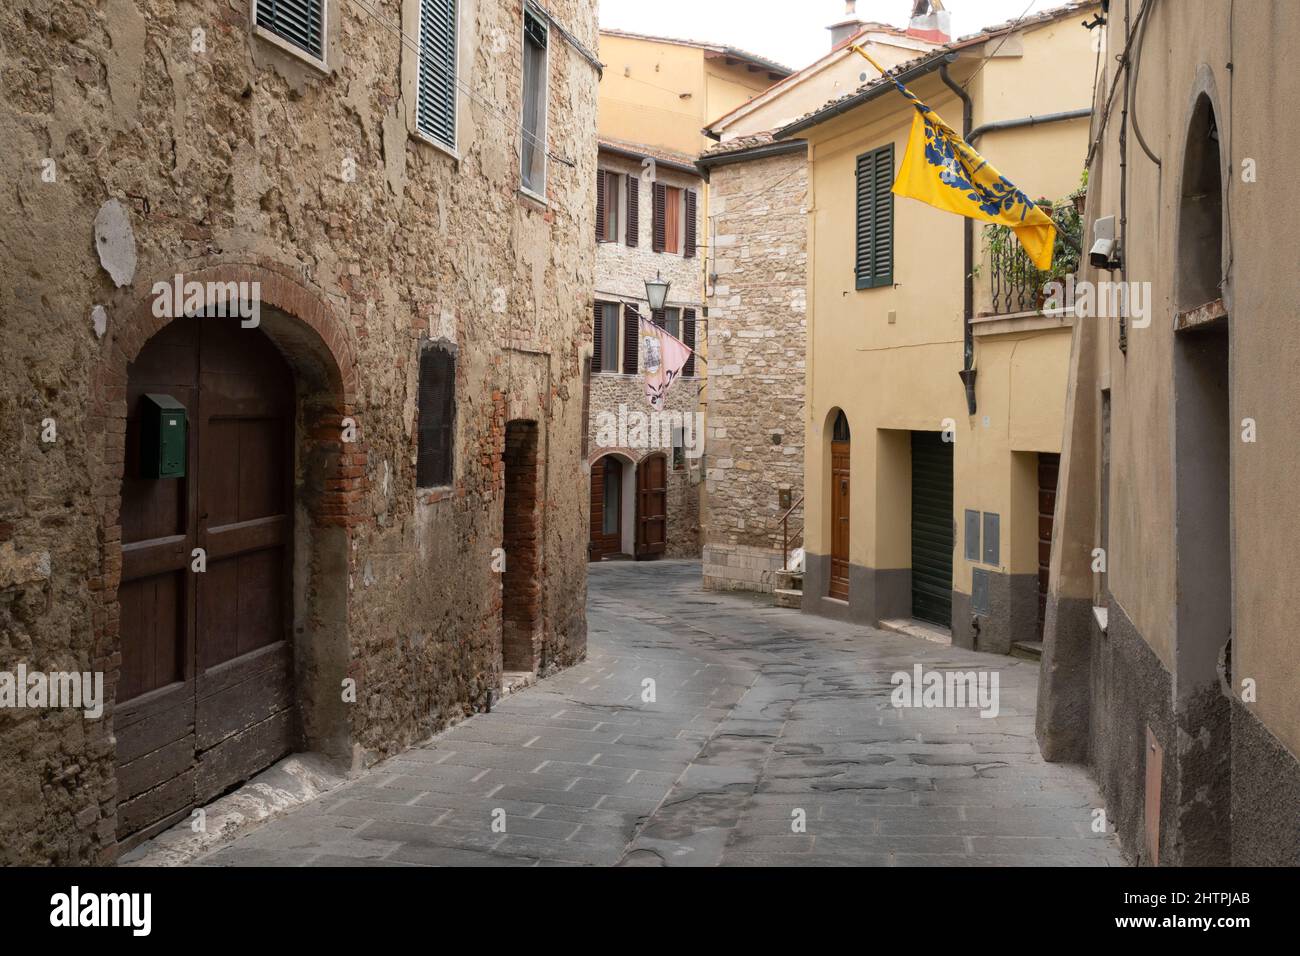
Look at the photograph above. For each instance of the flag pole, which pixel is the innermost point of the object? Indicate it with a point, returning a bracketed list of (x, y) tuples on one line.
[(867, 56)]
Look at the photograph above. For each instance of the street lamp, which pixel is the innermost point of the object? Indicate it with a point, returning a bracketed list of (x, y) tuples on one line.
[(656, 290)]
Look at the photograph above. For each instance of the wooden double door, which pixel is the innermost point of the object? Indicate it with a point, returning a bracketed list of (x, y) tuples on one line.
[(607, 508), (205, 698)]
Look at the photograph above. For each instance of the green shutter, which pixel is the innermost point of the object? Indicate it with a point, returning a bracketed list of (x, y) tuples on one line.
[(435, 112), (874, 261), (300, 22)]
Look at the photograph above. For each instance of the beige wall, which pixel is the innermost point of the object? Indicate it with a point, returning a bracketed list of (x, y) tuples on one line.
[(894, 376)]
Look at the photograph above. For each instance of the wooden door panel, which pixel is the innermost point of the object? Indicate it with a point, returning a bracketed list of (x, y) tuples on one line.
[(152, 609), (841, 490), (652, 507)]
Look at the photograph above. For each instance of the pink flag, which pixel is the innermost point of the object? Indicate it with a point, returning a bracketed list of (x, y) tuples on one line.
[(662, 359)]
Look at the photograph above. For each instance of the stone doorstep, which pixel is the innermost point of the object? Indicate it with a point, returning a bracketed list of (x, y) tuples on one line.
[(914, 628), (788, 597), (293, 782)]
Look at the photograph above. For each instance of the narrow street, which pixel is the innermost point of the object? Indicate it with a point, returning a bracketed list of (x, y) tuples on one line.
[(758, 714)]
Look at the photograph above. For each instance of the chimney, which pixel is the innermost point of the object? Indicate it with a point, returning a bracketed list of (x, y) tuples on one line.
[(847, 27), (930, 21)]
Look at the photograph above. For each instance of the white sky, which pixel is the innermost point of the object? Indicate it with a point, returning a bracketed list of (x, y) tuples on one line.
[(792, 32)]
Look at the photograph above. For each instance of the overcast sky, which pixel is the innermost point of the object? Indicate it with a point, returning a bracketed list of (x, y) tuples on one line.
[(792, 32)]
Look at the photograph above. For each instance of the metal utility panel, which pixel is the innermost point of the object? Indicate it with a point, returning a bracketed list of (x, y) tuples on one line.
[(992, 538), (162, 437), (979, 591), (972, 535)]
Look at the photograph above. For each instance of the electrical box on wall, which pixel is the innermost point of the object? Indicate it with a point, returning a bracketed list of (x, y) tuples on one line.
[(163, 429)]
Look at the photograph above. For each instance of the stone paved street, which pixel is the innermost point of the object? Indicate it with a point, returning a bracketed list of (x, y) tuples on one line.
[(758, 712)]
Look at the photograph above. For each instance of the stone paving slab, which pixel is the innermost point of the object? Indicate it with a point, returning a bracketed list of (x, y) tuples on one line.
[(771, 741)]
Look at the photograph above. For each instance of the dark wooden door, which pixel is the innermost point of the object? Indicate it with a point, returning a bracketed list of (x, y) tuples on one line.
[(205, 699), (933, 534), (606, 509), (840, 494), (1049, 466), (652, 507)]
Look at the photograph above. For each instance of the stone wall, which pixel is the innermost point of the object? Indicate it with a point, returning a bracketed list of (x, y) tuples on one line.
[(235, 160), (756, 366), (621, 271)]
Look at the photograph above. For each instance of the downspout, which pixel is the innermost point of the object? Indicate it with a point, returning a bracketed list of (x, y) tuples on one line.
[(967, 372)]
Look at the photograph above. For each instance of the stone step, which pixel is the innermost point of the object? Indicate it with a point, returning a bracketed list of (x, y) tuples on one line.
[(788, 597), (789, 580), (1028, 650)]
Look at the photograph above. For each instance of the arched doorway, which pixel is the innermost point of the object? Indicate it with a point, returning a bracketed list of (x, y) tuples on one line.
[(613, 503), (206, 690), (839, 498)]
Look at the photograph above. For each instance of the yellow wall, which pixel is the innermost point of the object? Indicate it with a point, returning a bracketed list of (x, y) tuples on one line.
[(661, 94), (893, 377)]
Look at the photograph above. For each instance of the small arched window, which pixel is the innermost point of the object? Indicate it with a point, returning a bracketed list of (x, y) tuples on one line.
[(840, 430)]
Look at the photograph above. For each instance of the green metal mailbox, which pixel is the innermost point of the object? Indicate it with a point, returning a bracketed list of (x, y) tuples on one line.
[(162, 437)]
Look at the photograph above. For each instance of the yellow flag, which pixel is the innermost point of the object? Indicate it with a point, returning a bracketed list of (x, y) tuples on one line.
[(941, 169)]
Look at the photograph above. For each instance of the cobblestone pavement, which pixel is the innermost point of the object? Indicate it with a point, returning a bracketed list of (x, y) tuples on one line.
[(761, 717)]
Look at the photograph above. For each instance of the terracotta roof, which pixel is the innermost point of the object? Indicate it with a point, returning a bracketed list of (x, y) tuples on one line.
[(640, 150), (737, 150), (770, 66), (836, 105), (740, 144)]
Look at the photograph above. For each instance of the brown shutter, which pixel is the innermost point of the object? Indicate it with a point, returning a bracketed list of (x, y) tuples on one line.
[(631, 336), (688, 336), (633, 209), (598, 335), (658, 218), (689, 251), (659, 317), (600, 205)]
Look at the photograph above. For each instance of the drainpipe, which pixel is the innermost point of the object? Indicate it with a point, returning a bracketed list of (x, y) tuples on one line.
[(967, 372)]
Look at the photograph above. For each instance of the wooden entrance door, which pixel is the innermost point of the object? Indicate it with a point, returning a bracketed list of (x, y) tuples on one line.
[(1049, 467), (933, 534), (205, 696), (840, 494), (606, 537), (651, 507)]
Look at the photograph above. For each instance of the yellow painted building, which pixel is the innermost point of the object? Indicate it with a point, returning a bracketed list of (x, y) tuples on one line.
[(916, 507)]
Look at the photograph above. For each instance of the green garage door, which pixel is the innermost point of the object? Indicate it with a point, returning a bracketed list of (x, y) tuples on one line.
[(932, 528)]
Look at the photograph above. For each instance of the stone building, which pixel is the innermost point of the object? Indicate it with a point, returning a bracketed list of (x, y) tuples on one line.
[(757, 303), (281, 529), (652, 204), (1169, 662)]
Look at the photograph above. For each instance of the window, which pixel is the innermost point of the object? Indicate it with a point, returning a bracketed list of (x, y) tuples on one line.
[(607, 203), (437, 417), (612, 496), (300, 23), (679, 449), (674, 216), (615, 347), (435, 98), (533, 153), (874, 262), (679, 323)]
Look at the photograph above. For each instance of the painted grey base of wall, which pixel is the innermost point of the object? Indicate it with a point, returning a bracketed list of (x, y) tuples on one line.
[(1013, 615), (1223, 775), (874, 595), (1265, 795), (1065, 683)]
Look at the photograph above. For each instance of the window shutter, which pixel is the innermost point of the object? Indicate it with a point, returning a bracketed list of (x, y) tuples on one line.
[(598, 334), (689, 251), (659, 317), (436, 404), (633, 209), (298, 21), (657, 217), (874, 261), (600, 205), (631, 336), (435, 111), (688, 336)]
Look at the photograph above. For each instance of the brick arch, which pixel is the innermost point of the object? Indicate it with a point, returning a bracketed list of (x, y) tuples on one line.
[(631, 455), (330, 478)]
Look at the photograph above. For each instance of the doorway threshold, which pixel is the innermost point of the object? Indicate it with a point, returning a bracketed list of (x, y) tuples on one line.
[(926, 631)]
